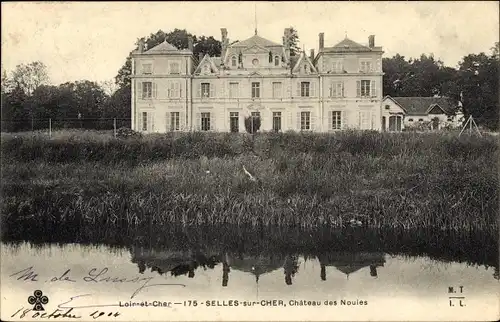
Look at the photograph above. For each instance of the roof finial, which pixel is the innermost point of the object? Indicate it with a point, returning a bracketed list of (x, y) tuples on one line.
[(346, 34), (255, 18)]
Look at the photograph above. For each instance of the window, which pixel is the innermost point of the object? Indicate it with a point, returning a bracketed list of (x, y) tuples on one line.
[(366, 66), (304, 89), (173, 89), (277, 90), (233, 90), (233, 61), (336, 120), (205, 89), (420, 120), (147, 68), (276, 60), (147, 90), (175, 121), (364, 120), (337, 89), (387, 107), (306, 68), (174, 68), (410, 120), (365, 88), (337, 66), (256, 114), (276, 121), (144, 121), (255, 90), (395, 123), (234, 122), (305, 121), (205, 121)]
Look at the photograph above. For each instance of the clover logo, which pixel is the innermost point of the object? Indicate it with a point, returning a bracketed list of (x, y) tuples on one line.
[(37, 299)]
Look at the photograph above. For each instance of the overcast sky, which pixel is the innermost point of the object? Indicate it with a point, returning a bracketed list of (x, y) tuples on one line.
[(78, 40)]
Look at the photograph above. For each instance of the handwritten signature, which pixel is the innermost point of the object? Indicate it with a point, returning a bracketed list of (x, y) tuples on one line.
[(95, 275)]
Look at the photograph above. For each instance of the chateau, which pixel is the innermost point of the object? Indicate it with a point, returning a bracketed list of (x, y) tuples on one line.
[(339, 88)]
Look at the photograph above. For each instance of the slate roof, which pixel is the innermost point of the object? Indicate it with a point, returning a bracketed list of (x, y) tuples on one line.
[(294, 60), (421, 105), (348, 45), (256, 40), (166, 48)]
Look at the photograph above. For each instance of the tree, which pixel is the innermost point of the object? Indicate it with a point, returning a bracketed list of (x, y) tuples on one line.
[(29, 76), (478, 83), (207, 45), (294, 42), (424, 76), (252, 124)]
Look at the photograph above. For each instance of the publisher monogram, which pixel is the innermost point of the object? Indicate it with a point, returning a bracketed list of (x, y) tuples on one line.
[(38, 300)]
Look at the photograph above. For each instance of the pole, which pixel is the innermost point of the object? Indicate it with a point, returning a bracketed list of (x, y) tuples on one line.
[(114, 126), (50, 128)]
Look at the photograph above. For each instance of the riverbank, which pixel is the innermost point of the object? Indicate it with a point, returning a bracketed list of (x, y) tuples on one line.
[(376, 180)]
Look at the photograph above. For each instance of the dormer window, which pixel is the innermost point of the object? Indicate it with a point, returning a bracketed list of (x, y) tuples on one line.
[(233, 61), (276, 61)]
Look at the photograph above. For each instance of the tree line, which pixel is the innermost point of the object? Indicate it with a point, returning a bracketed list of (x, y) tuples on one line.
[(27, 95)]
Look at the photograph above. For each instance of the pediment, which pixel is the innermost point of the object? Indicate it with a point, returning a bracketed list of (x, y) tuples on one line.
[(255, 107), (255, 74), (255, 50)]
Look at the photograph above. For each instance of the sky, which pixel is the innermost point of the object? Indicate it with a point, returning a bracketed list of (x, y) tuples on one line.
[(90, 41)]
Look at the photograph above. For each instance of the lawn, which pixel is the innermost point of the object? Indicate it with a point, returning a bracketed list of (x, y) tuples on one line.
[(92, 181)]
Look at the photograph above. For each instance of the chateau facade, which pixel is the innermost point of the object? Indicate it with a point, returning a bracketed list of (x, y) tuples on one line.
[(339, 88)]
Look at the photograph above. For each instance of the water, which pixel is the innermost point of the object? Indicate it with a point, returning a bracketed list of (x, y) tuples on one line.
[(239, 279)]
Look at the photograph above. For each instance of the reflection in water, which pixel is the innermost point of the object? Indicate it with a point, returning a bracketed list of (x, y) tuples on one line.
[(187, 262), (348, 263), (183, 250), (176, 262)]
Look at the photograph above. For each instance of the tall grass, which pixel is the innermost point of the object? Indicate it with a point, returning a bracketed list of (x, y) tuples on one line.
[(402, 181)]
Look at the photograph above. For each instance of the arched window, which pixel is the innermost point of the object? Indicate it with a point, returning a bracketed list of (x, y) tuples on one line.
[(233, 61), (276, 61), (410, 120)]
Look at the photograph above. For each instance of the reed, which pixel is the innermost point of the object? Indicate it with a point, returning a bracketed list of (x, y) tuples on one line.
[(307, 181)]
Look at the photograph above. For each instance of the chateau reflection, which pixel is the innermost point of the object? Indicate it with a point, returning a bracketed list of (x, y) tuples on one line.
[(179, 263), (176, 262), (348, 262)]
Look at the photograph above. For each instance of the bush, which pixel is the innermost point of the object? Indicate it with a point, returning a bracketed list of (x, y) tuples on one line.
[(125, 132), (252, 124)]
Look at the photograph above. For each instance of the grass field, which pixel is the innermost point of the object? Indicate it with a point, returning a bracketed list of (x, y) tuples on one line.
[(78, 181)]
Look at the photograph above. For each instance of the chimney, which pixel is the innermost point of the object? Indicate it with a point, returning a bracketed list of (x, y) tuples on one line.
[(140, 45), (190, 44), (224, 41), (312, 54), (321, 40), (371, 41)]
